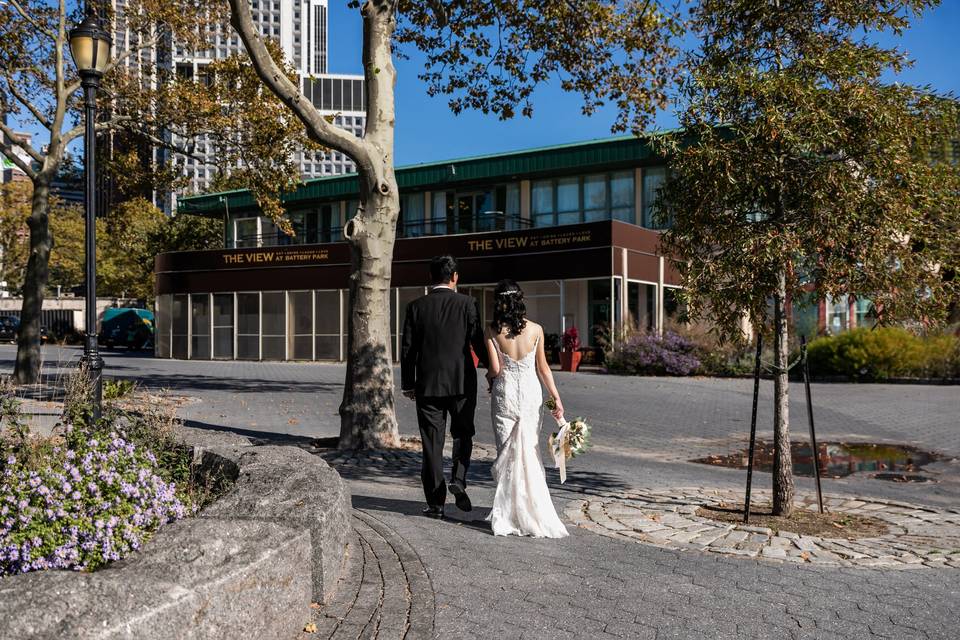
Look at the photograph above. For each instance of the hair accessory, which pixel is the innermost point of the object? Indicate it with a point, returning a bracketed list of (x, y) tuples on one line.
[(511, 292)]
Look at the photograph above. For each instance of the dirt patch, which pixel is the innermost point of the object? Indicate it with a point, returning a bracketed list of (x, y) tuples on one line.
[(803, 522)]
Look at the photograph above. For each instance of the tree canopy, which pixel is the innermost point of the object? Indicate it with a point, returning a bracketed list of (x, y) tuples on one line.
[(798, 156)]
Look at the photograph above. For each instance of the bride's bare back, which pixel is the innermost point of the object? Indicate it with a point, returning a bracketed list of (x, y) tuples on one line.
[(517, 346)]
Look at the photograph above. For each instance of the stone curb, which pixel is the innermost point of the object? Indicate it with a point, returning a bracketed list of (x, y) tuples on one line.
[(917, 537), (244, 567)]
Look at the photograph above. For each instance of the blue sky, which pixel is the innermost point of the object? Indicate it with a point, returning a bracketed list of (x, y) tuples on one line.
[(427, 130)]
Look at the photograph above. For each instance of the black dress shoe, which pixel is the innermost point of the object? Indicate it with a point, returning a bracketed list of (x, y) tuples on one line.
[(433, 511), (461, 497)]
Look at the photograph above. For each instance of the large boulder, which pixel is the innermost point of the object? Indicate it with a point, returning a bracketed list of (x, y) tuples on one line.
[(289, 486)]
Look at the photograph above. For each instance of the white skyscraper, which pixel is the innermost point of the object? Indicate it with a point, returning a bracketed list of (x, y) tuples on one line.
[(300, 26)]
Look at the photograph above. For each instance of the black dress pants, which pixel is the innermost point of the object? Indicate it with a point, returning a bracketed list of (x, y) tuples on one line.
[(432, 417)]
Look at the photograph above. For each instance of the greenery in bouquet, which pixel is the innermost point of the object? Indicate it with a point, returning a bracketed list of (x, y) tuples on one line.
[(577, 438)]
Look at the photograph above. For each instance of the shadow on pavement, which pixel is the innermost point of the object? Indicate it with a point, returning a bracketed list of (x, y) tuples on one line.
[(255, 437), (475, 519)]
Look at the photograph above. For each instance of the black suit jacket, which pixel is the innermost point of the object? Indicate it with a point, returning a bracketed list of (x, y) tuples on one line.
[(438, 331)]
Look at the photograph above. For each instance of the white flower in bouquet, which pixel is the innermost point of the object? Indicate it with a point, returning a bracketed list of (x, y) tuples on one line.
[(571, 440)]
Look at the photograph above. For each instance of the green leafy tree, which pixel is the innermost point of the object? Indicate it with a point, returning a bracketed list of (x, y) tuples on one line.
[(488, 55), (799, 168), (126, 251), (14, 210), (39, 87), (66, 260), (134, 233)]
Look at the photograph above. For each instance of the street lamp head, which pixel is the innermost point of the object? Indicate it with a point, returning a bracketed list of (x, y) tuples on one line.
[(90, 47)]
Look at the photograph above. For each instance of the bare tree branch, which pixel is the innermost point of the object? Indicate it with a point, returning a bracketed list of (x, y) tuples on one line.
[(11, 134), (273, 76), (11, 86), (36, 25), (8, 151)]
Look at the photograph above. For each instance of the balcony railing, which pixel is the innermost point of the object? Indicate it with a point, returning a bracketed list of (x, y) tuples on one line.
[(455, 225), (420, 228)]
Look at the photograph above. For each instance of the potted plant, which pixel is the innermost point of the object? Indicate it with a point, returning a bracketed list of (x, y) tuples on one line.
[(570, 353)]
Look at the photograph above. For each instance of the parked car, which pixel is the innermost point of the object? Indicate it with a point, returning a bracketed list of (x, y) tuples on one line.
[(10, 327), (126, 327)]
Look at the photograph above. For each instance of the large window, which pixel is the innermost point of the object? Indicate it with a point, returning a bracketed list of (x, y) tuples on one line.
[(541, 203), (439, 213), (223, 326), (594, 198), (641, 306), (575, 199), (621, 196), (327, 337), (200, 329), (246, 233), (181, 326), (838, 310), (412, 219), (273, 326), (653, 179), (568, 201), (248, 326), (162, 329), (300, 325)]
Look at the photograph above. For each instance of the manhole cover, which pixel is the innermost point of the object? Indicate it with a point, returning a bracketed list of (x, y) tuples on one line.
[(837, 459)]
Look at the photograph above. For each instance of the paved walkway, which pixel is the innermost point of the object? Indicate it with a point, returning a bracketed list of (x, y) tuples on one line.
[(421, 578)]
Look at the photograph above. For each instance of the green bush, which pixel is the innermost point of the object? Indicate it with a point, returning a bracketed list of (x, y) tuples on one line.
[(884, 353)]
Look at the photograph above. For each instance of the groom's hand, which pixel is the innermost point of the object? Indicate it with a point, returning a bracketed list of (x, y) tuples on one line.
[(409, 394)]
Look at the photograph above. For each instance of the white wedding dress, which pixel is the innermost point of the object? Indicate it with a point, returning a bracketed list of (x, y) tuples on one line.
[(522, 504)]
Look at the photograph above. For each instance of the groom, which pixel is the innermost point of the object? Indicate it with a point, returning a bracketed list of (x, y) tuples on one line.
[(437, 370)]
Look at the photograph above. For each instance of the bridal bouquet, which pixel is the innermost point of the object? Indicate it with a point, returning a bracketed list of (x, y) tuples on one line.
[(571, 440)]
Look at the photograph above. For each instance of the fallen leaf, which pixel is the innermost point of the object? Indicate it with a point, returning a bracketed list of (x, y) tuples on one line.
[(310, 628), (314, 605)]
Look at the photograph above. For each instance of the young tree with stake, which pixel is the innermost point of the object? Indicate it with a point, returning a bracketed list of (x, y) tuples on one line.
[(800, 170)]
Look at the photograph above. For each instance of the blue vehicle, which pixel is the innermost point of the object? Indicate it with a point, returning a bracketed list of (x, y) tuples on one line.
[(126, 327), (10, 327)]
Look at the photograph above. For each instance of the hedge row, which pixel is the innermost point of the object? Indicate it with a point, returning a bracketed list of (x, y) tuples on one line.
[(884, 353)]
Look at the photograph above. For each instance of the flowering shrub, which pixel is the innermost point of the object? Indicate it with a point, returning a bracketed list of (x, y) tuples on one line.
[(571, 339), (93, 498), (650, 354)]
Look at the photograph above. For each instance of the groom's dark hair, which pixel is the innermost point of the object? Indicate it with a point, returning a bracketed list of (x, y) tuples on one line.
[(442, 269)]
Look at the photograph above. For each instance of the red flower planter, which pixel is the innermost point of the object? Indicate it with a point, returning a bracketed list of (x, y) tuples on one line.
[(570, 360)]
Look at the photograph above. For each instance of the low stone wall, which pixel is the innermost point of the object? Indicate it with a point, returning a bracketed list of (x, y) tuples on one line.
[(245, 567)]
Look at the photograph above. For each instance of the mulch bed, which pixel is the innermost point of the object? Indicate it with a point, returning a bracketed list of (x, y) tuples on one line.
[(802, 521)]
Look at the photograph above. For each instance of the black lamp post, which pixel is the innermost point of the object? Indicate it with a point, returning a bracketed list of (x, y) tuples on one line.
[(90, 47)]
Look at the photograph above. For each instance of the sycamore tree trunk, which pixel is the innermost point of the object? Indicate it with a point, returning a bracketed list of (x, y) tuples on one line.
[(27, 368), (367, 411), (367, 417), (783, 489)]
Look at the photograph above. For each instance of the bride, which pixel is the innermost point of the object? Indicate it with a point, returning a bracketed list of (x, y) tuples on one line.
[(522, 504)]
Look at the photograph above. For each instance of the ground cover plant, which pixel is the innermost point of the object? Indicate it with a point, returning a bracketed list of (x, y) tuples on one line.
[(91, 492)]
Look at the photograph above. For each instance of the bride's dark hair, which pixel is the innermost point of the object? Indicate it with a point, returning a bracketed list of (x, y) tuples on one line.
[(509, 309)]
